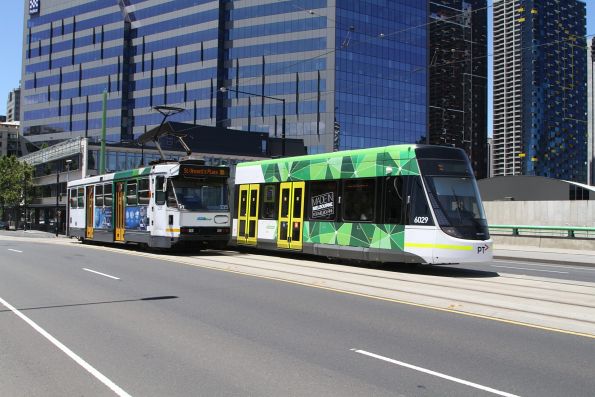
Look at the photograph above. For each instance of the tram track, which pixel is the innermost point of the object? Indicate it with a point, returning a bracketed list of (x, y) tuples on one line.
[(533, 301)]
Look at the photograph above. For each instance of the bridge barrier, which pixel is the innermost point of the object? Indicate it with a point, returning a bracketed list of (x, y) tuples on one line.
[(545, 231), (557, 237)]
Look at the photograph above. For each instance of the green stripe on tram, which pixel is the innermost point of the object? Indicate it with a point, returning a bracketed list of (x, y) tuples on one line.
[(132, 173)]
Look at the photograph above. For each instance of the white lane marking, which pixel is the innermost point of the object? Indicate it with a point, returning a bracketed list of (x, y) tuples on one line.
[(532, 270), (585, 268), (438, 374), (102, 274), (115, 388), (10, 249)]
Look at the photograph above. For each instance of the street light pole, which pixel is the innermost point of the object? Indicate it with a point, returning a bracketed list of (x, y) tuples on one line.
[(68, 162), (57, 194), (25, 199), (225, 89)]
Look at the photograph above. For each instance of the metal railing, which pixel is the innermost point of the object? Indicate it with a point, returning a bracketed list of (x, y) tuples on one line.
[(545, 231)]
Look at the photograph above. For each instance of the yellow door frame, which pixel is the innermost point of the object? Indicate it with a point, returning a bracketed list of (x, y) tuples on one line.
[(291, 215), (249, 202), (90, 205), (254, 198), (119, 212)]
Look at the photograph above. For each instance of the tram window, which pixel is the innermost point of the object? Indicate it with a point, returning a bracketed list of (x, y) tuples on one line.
[(297, 203), (323, 201), (171, 196), (99, 196), (159, 193), (131, 198), (243, 202), (144, 194), (268, 208), (285, 193), (359, 200), (393, 200), (73, 200), (253, 201), (107, 195), (81, 198), (419, 210)]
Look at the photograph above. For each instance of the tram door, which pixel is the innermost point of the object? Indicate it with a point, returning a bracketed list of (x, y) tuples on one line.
[(248, 214), (119, 212), (291, 215), (90, 210)]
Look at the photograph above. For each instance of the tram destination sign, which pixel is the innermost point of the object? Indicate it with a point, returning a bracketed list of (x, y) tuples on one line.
[(203, 171)]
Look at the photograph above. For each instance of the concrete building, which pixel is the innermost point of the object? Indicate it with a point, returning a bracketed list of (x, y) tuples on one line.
[(490, 160), (9, 138), (540, 90), (13, 105), (458, 78), (346, 74)]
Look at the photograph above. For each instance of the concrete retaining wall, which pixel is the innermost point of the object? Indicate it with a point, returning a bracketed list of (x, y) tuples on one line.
[(542, 213)]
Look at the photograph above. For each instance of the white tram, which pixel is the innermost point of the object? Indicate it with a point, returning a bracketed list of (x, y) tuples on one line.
[(161, 205)]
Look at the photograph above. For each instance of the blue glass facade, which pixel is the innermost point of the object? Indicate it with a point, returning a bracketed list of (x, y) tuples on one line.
[(346, 74), (554, 76), (381, 74)]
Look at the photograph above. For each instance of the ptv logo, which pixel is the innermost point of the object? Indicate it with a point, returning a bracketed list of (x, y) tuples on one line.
[(483, 250)]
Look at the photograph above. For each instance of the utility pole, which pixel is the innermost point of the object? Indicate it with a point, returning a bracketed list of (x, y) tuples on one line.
[(57, 195)]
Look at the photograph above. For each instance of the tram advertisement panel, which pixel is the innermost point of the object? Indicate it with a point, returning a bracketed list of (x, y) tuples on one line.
[(103, 218), (136, 217), (323, 205)]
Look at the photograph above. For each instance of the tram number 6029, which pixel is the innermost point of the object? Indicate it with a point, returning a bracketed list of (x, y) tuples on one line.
[(420, 219)]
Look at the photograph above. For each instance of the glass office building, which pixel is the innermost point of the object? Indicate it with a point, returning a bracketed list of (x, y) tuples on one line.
[(346, 74), (458, 78), (540, 88)]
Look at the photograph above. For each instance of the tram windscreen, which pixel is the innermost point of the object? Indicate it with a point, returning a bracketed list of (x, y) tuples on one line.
[(201, 196), (455, 198)]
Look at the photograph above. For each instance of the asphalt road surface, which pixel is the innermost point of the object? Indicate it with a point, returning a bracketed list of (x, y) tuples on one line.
[(85, 321), (536, 268)]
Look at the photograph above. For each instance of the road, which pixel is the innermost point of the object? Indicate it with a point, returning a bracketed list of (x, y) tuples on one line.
[(133, 324), (536, 268)]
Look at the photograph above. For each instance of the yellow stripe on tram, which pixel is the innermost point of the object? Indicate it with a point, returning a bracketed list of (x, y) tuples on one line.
[(440, 246), (173, 230)]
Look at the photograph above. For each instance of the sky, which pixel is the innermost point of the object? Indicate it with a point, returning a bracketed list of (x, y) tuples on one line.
[(11, 44)]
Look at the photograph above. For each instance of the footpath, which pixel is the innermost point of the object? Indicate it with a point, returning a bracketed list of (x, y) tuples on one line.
[(549, 255)]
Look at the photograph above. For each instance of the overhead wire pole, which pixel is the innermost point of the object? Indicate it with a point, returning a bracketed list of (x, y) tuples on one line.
[(165, 111), (103, 134), (225, 89)]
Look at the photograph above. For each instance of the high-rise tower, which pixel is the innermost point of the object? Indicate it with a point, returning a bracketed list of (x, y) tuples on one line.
[(458, 78), (591, 112), (540, 90)]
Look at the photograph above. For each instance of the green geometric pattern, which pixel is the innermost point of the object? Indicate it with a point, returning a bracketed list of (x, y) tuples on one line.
[(349, 164), (364, 235)]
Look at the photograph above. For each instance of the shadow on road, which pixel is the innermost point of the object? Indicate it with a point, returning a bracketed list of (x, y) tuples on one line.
[(150, 298)]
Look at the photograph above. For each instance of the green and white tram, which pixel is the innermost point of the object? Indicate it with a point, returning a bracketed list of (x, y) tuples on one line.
[(405, 203), (162, 205)]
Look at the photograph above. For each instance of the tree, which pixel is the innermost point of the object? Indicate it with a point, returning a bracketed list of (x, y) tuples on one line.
[(15, 176)]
